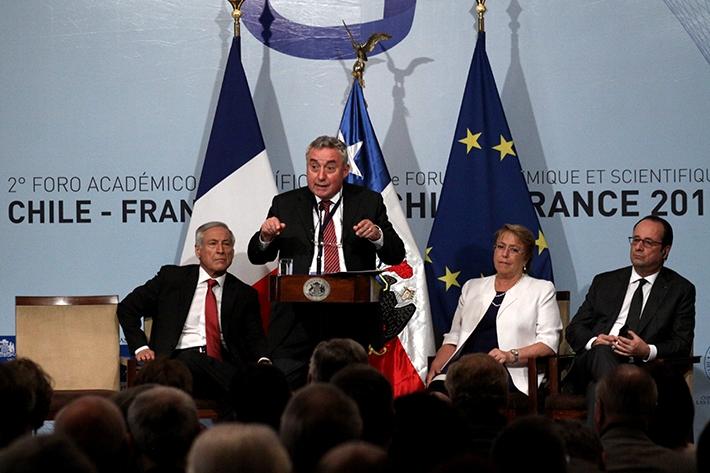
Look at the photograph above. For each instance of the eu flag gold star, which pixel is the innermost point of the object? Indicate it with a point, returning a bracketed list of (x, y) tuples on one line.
[(450, 278), (505, 148), (427, 259), (541, 243), (471, 140)]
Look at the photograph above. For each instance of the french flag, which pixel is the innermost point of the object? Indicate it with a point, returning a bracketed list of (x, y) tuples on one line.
[(406, 320), (237, 184)]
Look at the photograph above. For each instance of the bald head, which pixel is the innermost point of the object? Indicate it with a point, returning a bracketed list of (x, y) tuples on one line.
[(628, 394), (233, 447), (96, 426), (355, 457)]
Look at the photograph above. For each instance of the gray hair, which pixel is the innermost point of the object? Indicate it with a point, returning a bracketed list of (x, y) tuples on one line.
[(238, 447), (163, 422), (200, 232), (329, 142)]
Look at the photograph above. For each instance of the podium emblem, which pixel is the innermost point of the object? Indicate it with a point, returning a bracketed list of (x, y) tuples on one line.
[(316, 289)]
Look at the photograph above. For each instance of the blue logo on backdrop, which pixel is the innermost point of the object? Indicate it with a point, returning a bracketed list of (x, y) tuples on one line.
[(7, 348), (324, 42)]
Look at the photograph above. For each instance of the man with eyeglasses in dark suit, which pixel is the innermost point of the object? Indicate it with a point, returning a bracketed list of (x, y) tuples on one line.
[(634, 314)]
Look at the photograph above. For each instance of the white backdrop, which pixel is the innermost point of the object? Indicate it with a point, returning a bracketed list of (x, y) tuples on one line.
[(106, 107)]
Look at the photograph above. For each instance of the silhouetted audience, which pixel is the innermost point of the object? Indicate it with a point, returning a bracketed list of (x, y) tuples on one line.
[(355, 457), (123, 399), (39, 383), (625, 402), (44, 453), (529, 444), (318, 417), (163, 424), (427, 432), (478, 388), (165, 371), (238, 448), (585, 453), (671, 425), (16, 405), (373, 395), (96, 426), (332, 355), (259, 395)]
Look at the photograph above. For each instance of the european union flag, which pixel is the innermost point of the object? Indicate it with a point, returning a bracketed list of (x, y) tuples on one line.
[(483, 189)]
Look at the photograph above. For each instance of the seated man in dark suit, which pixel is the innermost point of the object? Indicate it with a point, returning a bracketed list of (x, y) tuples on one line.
[(328, 227), (202, 315), (634, 314)]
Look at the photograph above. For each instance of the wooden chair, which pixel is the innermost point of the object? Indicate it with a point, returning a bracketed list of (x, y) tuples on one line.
[(532, 403), (74, 339)]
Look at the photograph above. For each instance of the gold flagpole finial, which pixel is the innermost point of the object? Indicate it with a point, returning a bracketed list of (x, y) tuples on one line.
[(361, 50), (481, 10), (236, 14)]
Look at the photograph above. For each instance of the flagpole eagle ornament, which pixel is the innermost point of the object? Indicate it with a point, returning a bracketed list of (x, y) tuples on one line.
[(481, 10), (236, 14), (361, 51)]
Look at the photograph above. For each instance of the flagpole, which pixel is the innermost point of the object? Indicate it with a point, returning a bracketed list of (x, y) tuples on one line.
[(236, 14), (481, 10)]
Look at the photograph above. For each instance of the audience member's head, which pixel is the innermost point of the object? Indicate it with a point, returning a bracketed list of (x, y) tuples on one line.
[(166, 372), (15, 408), (477, 382), (39, 383), (259, 395), (626, 396), (355, 457), (671, 425), (427, 432), (44, 453), (529, 444), (123, 399), (332, 355), (584, 449), (237, 448), (163, 423), (97, 427), (373, 395), (317, 418)]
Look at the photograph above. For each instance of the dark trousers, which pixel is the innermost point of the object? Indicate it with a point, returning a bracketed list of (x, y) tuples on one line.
[(589, 368), (211, 378)]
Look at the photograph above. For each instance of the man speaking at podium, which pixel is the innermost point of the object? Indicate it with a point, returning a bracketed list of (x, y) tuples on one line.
[(328, 227)]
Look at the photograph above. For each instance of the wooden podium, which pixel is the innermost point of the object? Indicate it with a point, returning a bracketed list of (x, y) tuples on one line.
[(353, 288)]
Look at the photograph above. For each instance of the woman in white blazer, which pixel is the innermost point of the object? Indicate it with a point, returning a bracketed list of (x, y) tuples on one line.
[(511, 316)]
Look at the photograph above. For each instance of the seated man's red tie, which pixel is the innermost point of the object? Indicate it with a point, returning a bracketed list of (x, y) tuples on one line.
[(214, 343)]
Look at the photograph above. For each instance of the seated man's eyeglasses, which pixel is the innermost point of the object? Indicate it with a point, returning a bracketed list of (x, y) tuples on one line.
[(647, 242)]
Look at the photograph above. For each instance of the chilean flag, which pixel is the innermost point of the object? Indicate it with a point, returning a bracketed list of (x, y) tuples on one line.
[(404, 301), (236, 184)]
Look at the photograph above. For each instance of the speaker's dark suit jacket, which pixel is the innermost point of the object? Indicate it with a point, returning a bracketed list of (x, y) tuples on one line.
[(667, 321), (167, 298), (295, 209), (294, 330)]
